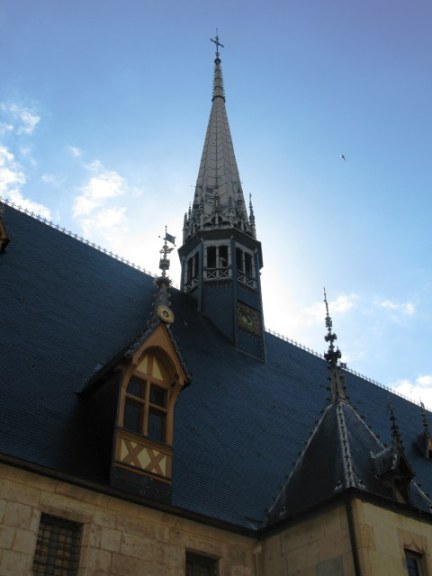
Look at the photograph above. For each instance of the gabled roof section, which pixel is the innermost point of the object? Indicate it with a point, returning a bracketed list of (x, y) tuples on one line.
[(219, 201), (337, 456), (343, 452)]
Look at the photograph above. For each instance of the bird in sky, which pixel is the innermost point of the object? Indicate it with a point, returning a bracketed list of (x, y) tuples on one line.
[(343, 157)]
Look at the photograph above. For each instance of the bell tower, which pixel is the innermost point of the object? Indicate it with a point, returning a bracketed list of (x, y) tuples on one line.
[(221, 257)]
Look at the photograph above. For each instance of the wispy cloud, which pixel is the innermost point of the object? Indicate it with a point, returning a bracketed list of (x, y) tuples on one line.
[(25, 203), (404, 308), (11, 174), (419, 390), (339, 305), (17, 119), (75, 152), (96, 207), (103, 222), (97, 190)]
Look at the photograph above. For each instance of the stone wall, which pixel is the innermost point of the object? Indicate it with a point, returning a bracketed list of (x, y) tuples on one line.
[(119, 538), (319, 546), (384, 535)]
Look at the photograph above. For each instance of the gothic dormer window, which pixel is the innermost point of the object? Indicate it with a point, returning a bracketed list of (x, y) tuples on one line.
[(152, 378), (146, 400)]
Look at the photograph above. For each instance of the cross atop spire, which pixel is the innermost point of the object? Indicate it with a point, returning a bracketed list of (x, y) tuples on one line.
[(216, 41)]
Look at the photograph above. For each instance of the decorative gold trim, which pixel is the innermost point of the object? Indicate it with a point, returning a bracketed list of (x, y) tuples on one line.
[(248, 319)]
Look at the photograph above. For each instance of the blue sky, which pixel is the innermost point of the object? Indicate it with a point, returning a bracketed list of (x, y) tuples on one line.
[(103, 110)]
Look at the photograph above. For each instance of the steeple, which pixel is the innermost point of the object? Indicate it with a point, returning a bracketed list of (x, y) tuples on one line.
[(221, 257), (218, 201)]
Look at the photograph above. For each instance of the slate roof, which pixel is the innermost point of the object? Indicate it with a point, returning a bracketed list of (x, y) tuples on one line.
[(341, 453), (66, 309)]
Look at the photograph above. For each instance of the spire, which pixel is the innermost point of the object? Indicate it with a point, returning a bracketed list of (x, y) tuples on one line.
[(220, 256), (332, 356), (219, 201)]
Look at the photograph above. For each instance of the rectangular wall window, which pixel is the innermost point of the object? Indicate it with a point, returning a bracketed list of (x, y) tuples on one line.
[(414, 563), (198, 565), (57, 547)]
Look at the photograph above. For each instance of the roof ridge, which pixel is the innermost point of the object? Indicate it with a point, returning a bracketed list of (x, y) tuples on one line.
[(82, 239), (345, 367), (119, 258)]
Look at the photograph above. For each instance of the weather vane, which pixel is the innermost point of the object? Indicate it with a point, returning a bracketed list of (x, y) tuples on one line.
[(164, 262)]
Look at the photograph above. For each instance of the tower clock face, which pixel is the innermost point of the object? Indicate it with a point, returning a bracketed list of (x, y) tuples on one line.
[(248, 319)]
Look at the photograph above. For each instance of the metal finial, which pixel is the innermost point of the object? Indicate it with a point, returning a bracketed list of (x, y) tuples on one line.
[(164, 262), (332, 355), (216, 41)]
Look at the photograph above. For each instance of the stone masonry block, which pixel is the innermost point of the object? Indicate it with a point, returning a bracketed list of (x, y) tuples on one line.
[(110, 539), (18, 515), (15, 563), (6, 537), (24, 541)]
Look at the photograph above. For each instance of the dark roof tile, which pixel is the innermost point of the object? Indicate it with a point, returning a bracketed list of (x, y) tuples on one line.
[(66, 309)]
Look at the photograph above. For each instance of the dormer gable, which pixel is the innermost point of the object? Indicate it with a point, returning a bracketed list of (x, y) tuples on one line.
[(152, 377), (131, 401)]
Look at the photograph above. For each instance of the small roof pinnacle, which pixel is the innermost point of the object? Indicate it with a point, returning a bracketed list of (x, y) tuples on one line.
[(332, 355), (337, 383), (397, 440)]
